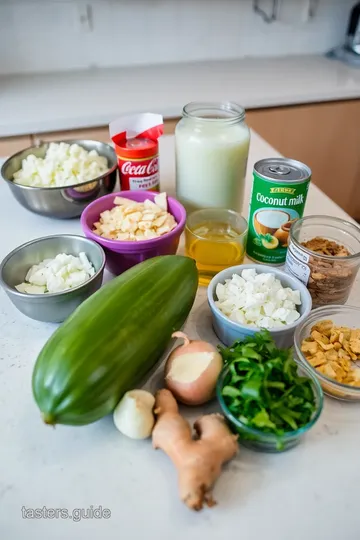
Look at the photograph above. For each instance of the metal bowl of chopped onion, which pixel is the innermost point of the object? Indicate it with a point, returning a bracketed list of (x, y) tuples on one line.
[(59, 199), (50, 306)]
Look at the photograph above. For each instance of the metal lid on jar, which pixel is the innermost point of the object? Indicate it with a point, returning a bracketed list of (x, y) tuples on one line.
[(282, 170)]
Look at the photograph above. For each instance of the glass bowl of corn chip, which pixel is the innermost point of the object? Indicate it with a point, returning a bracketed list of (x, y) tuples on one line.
[(328, 341), (133, 226)]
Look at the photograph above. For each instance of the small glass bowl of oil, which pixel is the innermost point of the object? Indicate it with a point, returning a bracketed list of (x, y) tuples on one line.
[(216, 239)]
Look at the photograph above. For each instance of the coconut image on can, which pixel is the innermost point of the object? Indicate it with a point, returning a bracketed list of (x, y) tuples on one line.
[(278, 197)]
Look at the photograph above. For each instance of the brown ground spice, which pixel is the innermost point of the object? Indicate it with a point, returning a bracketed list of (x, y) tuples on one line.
[(326, 247), (329, 281)]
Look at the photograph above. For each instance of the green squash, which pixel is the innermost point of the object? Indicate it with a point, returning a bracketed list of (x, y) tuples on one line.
[(113, 340)]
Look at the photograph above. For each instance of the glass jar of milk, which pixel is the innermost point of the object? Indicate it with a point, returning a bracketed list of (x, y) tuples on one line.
[(212, 146)]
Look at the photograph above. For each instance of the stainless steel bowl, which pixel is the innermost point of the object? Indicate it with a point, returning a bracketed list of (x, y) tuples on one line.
[(50, 307), (61, 202)]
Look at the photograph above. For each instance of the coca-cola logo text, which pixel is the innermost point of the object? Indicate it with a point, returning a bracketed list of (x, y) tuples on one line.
[(140, 169)]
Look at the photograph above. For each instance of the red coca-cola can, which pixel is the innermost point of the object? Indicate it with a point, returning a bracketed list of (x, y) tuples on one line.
[(138, 161)]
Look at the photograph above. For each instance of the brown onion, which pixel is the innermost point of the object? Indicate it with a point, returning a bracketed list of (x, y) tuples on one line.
[(192, 369)]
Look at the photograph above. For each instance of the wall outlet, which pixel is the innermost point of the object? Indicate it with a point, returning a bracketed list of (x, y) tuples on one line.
[(84, 17)]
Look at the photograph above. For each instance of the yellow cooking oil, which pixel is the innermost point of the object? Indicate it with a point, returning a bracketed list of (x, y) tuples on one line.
[(214, 245)]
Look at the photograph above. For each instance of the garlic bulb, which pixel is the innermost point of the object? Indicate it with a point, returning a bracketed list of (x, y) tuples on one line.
[(133, 415)]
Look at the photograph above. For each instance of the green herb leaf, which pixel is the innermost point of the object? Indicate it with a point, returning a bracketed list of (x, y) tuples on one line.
[(229, 391), (262, 419), (275, 384), (251, 388), (263, 388)]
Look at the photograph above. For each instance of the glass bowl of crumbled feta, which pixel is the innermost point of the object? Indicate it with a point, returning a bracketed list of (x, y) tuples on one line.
[(245, 298), (48, 278), (59, 179)]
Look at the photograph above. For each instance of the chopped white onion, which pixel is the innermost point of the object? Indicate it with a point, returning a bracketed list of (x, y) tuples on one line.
[(57, 275), (258, 300), (63, 165)]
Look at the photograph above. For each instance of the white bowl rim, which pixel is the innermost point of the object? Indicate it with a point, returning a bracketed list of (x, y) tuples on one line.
[(260, 268)]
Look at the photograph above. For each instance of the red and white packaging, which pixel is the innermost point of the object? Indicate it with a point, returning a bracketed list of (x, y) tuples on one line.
[(137, 149)]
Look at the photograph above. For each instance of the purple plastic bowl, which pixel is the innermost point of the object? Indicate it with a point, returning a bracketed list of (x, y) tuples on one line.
[(120, 255)]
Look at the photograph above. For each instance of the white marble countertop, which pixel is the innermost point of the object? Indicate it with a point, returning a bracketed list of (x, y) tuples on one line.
[(310, 492), (80, 99)]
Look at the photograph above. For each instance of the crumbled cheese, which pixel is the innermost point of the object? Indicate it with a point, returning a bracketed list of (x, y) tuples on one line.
[(57, 275), (258, 300), (63, 165)]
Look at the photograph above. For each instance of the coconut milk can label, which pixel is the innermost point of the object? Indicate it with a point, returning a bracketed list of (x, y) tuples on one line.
[(273, 209)]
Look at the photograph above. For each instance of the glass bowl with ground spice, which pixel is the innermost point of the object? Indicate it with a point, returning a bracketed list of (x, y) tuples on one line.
[(324, 253)]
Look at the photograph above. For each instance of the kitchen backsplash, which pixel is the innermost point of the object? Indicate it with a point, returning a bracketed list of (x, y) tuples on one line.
[(53, 35)]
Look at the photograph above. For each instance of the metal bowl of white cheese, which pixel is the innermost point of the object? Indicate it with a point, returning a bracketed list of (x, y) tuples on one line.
[(230, 326), (52, 307), (61, 201)]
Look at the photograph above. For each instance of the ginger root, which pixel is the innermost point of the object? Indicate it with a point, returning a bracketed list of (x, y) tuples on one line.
[(198, 461)]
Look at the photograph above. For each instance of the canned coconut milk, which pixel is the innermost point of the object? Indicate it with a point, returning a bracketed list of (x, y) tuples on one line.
[(278, 197)]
